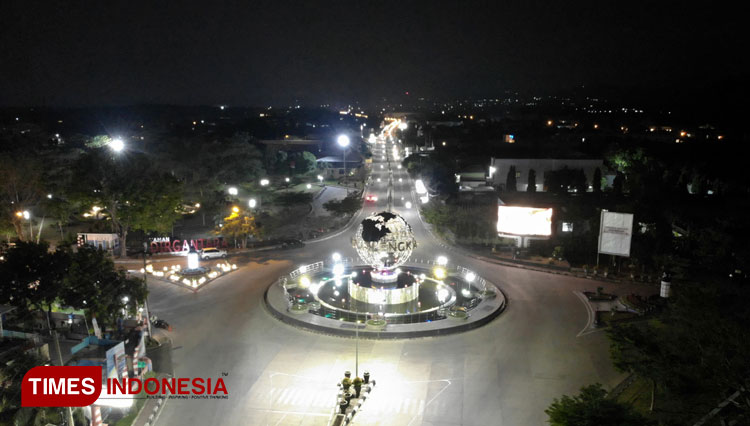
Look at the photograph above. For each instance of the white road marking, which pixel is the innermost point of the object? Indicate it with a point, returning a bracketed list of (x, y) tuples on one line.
[(588, 329)]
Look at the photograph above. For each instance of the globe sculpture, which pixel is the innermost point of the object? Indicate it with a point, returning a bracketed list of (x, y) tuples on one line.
[(384, 241)]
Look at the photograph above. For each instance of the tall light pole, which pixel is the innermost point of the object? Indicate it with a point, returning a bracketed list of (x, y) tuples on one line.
[(343, 142), (145, 283)]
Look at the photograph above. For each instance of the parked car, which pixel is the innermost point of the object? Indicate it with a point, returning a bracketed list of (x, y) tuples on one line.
[(290, 244), (212, 253)]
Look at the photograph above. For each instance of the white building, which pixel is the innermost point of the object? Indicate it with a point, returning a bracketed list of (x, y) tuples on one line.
[(499, 167)]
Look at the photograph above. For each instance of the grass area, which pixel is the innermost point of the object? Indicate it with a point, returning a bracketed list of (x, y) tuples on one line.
[(138, 406), (638, 394), (607, 318)]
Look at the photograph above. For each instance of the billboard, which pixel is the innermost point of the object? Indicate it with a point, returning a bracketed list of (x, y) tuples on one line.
[(615, 233), (524, 221)]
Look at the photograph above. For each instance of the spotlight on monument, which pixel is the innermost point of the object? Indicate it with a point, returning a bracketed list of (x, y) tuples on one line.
[(338, 270), (439, 273), (192, 259), (304, 282)]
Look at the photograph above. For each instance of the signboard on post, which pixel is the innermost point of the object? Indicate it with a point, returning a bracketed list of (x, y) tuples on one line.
[(615, 233)]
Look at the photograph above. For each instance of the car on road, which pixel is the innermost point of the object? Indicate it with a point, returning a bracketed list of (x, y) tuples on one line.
[(212, 253), (291, 244), (371, 198)]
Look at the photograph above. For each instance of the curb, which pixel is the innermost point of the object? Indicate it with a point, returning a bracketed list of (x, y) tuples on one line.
[(389, 335)]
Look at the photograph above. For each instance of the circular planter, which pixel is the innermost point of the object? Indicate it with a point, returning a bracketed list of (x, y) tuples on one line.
[(376, 324), (458, 315), (488, 294), (298, 308)]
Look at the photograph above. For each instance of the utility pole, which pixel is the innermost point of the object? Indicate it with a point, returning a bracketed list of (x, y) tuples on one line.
[(145, 275), (60, 359)]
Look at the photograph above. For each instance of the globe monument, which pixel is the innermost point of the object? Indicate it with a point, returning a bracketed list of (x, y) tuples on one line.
[(391, 294)]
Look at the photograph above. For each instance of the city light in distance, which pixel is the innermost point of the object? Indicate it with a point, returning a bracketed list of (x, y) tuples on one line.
[(232, 190), (343, 141), (252, 203), (264, 182)]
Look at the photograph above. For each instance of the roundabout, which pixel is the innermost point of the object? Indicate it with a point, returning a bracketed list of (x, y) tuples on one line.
[(387, 297)]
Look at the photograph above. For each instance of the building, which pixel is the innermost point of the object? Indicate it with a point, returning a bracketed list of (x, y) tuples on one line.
[(334, 166), (107, 242), (499, 167), (473, 178)]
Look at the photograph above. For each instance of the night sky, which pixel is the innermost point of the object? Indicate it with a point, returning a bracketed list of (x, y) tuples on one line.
[(72, 53)]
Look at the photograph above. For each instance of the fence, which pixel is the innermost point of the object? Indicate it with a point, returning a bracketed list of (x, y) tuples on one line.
[(322, 309)]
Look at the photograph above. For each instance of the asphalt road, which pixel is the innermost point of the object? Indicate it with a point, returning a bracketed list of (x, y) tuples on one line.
[(505, 373)]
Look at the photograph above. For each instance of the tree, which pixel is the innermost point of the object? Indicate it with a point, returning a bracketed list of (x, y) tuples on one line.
[(239, 226), (31, 276), (13, 367), (695, 352), (618, 183), (21, 189), (135, 195), (510, 181), (304, 162), (592, 408), (532, 181), (561, 180), (93, 283), (597, 181), (349, 205), (61, 209)]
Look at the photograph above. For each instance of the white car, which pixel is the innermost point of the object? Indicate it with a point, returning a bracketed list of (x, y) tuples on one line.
[(212, 253)]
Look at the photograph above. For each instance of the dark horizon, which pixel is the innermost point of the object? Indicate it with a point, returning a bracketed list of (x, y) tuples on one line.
[(279, 53)]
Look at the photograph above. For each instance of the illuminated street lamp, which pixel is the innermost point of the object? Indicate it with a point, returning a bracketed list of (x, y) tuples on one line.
[(264, 182), (252, 203), (232, 190), (343, 141), (117, 145), (442, 260), (320, 180)]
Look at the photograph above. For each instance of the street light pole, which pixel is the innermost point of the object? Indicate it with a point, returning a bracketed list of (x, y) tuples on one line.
[(145, 275), (356, 340), (343, 141)]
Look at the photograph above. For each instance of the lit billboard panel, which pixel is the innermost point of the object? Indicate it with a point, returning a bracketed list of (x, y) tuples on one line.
[(524, 221)]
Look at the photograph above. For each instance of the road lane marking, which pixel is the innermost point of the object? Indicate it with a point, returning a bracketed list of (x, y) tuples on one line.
[(588, 329)]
